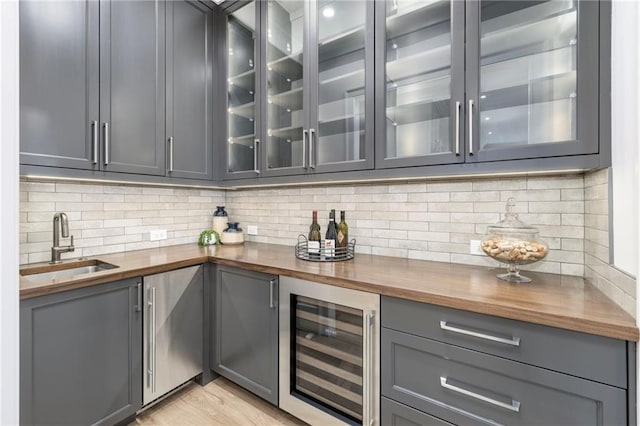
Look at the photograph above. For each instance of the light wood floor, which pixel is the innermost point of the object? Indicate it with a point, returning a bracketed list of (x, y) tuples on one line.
[(219, 403)]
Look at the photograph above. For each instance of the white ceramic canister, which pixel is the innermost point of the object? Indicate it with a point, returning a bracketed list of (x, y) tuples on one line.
[(220, 220)]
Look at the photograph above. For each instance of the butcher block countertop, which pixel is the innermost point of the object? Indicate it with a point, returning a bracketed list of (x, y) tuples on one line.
[(554, 300)]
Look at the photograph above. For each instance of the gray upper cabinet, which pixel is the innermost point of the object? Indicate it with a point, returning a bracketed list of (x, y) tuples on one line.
[(81, 355), (240, 47), (132, 86), (420, 83), (189, 90), (532, 79), (245, 330), (59, 83), (300, 88)]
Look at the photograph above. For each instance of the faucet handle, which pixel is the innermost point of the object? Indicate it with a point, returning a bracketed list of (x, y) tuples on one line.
[(72, 242)]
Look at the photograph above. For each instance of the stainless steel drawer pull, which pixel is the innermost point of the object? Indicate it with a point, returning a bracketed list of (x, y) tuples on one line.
[(514, 341), (514, 406)]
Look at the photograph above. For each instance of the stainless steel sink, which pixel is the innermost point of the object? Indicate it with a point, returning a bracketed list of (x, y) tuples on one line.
[(65, 270)]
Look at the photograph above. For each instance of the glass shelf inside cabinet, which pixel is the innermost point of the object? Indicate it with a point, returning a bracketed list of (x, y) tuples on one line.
[(241, 88), (528, 73), (418, 78)]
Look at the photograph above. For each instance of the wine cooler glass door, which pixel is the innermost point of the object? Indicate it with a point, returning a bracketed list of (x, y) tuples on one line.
[(330, 374)]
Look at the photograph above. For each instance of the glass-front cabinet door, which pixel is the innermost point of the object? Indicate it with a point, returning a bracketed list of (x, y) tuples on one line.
[(420, 82), (341, 137), (532, 79), (285, 113), (243, 109)]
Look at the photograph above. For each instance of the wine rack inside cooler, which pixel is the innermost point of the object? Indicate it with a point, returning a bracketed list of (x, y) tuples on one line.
[(328, 352)]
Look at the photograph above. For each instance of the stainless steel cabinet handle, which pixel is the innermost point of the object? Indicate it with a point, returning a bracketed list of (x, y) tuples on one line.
[(369, 368), (514, 406), (312, 154), (138, 297), (94, 142), (470, 126), (304, 148), (272, 284), (152, 339), (457, 128), (256, 169), (514, 341), (107, 154), (170, 154)]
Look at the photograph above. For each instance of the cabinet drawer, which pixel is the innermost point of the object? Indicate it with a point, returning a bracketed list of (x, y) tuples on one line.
[(553, 348), (468, 387), (393, 413)]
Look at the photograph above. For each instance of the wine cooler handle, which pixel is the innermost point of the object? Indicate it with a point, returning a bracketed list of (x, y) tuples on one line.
[(369, 369), (312, 154), (272, 285), (150, 371), (304, 148)]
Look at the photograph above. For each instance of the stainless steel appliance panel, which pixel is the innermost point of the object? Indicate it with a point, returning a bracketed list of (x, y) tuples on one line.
[(172, 332), (331, 335)]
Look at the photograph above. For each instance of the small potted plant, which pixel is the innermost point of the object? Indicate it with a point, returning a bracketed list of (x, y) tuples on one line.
[(209, 237)]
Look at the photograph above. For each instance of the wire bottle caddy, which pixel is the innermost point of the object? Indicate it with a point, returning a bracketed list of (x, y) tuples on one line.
[(324, 254)]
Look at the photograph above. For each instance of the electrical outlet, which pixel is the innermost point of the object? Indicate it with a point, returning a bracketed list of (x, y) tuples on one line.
[(252, 230), (158, 234), (475, 247)]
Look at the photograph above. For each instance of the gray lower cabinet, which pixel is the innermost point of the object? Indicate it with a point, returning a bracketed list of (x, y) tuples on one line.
[(189, 90), (81, 355), (467, 368), (395, 414), (245, 330)]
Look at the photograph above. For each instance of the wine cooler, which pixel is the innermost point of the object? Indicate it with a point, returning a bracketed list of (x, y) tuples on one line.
[(329, 353)]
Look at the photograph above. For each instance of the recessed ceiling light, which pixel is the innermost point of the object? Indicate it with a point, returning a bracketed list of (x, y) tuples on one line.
[(328, 12), (218, 1)]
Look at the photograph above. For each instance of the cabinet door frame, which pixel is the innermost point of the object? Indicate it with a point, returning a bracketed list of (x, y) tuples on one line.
[(313, 87), (135, 345), (457, 93), (222, 44), (173, 151), (589, 29), (85, 159), (158, 103)]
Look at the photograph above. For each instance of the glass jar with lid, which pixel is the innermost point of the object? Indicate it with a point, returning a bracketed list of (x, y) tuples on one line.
[(515, 243)]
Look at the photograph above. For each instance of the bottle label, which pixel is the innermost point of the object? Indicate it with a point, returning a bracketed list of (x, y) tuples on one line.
[(313, 247), (340, 239), (330, 248)]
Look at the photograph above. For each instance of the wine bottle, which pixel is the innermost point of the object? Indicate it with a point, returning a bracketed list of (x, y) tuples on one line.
[(313, 244), (330, 237), (343, 234)]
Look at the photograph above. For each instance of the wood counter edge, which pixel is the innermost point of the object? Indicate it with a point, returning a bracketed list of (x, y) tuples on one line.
[(585, 325)]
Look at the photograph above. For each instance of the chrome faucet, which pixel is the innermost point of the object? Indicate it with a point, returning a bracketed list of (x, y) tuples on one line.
[(57, 250)]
